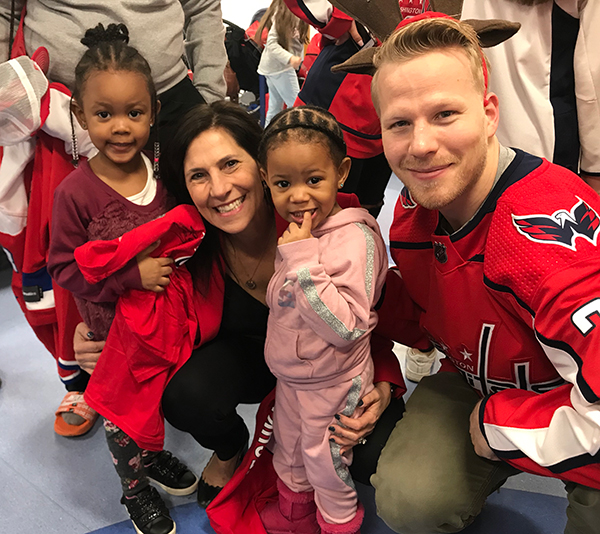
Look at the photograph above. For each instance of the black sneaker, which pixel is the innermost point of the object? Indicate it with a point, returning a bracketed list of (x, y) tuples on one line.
[(149, 513), (171, 475)]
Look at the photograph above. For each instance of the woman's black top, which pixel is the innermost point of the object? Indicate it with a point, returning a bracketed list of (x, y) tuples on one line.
[(242, 313)]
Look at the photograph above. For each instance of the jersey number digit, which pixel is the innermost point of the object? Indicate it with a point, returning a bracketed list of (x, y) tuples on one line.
[(581, 316)]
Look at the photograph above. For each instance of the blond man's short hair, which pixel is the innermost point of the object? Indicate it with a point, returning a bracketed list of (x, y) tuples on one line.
[(430, 35)]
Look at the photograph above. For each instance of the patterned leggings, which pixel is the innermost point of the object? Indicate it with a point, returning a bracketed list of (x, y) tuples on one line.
[(128, 459)]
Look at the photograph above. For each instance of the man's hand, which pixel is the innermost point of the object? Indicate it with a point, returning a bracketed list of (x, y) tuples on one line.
[(351, 33), (87, 351), (349, 431), (297, 233), (154, 272), (477, 438)]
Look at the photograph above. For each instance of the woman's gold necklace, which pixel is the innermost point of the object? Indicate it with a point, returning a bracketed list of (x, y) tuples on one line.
[(250, 283)]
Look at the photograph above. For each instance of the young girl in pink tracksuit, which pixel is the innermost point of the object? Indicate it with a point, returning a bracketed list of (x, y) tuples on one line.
[(329, 271)]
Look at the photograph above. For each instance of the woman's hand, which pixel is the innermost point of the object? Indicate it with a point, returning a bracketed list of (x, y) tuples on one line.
[(295, 62), (349, 431), (297, 233), (87, 351), (154, 272)]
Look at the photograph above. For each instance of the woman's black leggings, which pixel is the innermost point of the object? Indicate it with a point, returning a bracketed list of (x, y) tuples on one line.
[(202, 398), (203, 395)]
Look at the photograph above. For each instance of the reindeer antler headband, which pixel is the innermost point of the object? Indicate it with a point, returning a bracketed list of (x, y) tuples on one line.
[(383, 17)]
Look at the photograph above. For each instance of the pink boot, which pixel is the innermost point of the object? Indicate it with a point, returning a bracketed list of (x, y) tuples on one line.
[(293, 513), (350, 527)]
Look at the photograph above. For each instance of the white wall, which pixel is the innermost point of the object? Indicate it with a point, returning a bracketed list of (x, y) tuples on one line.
[(240, 11)]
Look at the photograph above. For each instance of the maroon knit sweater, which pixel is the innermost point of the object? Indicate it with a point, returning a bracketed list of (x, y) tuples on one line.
[(86, 209)]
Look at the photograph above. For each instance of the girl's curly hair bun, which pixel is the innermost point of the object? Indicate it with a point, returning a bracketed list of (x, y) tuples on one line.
[(99, 34)]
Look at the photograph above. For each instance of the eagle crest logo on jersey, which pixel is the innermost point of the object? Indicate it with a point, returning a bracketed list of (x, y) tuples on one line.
[(562, 227), (406, 200)]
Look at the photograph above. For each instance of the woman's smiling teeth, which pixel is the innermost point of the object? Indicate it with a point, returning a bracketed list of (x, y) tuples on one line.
[(226, 208)]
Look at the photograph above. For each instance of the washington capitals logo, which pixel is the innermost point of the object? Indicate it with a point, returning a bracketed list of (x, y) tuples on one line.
[(562, 227), (406, 200)]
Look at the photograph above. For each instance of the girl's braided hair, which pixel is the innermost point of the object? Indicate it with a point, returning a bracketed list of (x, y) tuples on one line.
[(108, 49), (304, 124)]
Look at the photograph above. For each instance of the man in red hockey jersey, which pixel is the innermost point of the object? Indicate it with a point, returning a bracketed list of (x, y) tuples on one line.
[(498, 263)]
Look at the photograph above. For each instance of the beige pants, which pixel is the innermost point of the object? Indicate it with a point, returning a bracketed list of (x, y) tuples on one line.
[(429, 478)]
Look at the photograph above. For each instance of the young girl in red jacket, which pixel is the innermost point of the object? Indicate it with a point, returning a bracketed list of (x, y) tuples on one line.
[(114, 99)]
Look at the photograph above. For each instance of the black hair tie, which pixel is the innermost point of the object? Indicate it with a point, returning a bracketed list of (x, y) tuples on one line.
[(339, 141)]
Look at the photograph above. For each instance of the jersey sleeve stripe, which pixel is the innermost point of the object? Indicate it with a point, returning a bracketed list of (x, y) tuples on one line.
[(568, 446), (309, 15), (568, 363)]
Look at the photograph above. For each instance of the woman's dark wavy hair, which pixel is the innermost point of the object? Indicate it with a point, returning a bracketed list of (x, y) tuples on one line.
[(245, 132)]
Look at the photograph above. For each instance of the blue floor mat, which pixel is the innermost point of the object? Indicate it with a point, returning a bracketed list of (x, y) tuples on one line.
[(506, 511), (521, 512)]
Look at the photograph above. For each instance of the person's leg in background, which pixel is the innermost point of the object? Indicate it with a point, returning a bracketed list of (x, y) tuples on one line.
[(73, 417), (288, 86), (284, 86), (429, 478), (275, 104), (174, 104), (419, 363), (368, 179), (375, 175)]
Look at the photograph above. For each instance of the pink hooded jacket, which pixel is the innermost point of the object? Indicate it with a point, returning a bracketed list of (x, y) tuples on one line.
[(321, 301)]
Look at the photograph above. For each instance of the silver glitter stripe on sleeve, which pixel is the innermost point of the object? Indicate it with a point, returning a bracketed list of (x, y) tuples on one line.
[(351, 402), (319, 307), (370, 256)]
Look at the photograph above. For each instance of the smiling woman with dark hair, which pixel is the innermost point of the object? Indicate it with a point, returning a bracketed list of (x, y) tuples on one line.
[(212, 164)]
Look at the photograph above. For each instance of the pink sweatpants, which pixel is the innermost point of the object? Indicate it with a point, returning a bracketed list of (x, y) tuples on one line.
[(304, 458)]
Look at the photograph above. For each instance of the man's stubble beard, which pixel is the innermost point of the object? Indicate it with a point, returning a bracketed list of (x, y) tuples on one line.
[(462, 184)]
